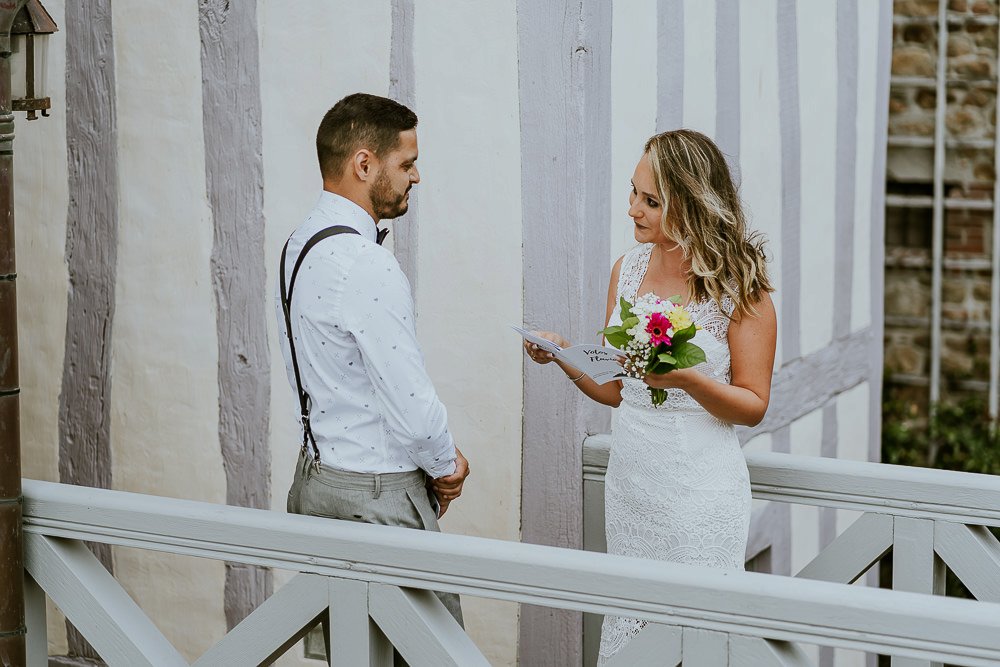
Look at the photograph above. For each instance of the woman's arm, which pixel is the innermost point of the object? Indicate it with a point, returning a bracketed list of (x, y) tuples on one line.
[(751, 346), (609, 393)]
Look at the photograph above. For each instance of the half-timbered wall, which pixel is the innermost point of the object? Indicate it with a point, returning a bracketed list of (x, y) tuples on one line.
[(153, 203)]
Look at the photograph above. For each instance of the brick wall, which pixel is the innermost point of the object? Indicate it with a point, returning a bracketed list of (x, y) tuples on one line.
[(970, 116)]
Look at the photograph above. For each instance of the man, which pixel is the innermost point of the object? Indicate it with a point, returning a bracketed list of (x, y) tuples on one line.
[(376, 446)]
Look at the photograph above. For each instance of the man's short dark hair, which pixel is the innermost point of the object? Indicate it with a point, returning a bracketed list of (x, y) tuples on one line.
[(360, 121)]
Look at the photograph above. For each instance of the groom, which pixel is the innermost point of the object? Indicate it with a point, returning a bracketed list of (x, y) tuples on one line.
[(375, 441)]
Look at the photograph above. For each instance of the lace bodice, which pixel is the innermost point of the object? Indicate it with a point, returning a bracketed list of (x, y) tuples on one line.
[(712, 337)]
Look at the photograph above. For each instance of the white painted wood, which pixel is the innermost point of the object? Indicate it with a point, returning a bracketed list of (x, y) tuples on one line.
[(960, 631), (857, 485), (37, 641), (853, 552), (420, 627), (757, 652), (937, 219), (973, 554), (915, 567), (96, 604), (354, 637), (705, 647), (380, 650), (273, 627), (656, 645), (901, 490)]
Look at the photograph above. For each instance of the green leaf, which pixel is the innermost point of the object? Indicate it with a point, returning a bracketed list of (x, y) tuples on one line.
[(684, 335), (618, 338), (626, 308), (661, 363), (629, 323), (675, 298), (688, 355)]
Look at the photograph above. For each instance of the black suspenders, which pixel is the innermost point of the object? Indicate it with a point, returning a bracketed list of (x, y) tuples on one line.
[(305, 403)]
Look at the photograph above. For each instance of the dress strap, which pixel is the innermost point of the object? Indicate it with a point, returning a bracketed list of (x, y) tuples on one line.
[(633, 270)]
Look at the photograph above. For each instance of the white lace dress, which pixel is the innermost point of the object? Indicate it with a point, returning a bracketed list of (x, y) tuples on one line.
[(677, 487)]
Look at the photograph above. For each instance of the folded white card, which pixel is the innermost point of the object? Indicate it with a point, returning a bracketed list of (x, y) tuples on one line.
[(599, 362)]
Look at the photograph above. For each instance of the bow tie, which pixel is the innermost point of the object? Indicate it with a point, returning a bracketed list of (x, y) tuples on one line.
[(380, 235)]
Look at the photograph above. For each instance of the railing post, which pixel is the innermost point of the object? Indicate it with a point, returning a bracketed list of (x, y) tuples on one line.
[(354, 639), (34, 612), (12, 646), (915, 567)]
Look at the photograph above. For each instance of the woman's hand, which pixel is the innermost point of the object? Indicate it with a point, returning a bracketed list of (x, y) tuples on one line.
[(537, 354), (679, 379)]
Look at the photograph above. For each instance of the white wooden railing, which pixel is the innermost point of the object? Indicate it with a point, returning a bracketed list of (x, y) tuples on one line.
[(373, 581), (928, 519)]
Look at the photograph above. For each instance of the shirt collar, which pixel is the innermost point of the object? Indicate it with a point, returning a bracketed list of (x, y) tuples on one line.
[(348, 213)]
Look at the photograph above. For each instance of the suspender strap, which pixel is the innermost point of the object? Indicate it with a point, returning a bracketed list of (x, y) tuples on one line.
[(305, 402)]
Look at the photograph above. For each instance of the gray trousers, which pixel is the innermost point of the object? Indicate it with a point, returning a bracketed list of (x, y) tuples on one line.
[(390, 499)]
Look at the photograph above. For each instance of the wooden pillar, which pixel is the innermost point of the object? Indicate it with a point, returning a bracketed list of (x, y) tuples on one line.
[(12, 647)]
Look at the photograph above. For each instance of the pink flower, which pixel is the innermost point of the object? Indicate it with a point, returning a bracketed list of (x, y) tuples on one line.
[(657, 327)]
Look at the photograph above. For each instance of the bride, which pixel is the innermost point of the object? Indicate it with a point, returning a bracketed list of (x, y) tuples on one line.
[(677, 487)]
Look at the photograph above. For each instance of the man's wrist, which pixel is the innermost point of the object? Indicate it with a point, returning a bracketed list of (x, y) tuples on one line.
[(449, 470)]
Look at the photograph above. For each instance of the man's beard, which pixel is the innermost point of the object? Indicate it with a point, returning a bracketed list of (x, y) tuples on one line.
[(386, 202)]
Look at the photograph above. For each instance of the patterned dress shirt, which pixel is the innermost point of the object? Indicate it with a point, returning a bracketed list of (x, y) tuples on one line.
[(374, 409)]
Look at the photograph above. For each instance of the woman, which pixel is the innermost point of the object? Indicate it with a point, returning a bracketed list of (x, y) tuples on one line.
[(677, 487)]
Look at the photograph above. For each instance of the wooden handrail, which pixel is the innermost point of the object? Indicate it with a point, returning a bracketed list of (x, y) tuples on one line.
[(926, 493)]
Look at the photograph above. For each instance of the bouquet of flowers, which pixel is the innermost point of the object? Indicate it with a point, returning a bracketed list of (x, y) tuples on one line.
[(655, 336)]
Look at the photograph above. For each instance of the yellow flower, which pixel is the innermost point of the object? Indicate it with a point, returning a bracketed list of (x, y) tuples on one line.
[(679, 318)]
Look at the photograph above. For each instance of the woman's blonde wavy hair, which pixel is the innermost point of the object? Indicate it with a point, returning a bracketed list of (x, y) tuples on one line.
[(702, 213)]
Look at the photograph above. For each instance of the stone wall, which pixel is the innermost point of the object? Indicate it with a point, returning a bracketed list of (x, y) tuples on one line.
[(970, 124)]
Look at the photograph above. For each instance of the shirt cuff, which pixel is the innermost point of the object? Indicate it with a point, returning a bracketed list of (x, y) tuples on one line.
[(449, 469)]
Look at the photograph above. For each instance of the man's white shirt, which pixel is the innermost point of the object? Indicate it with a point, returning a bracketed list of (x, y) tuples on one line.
[(373, 409)]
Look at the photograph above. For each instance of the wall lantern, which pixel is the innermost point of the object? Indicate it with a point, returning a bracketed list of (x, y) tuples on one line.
[(28, 92)]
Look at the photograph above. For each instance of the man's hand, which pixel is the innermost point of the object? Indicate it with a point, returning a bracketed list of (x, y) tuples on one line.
[(448, 488)]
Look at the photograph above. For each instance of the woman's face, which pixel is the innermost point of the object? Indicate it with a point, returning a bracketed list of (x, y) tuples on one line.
[(645, 207)]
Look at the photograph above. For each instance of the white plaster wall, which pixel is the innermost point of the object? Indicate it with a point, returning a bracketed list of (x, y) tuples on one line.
[(164, 428), (699, 66), (40, 240), (760, 134), (633, 107), (40, 200), (817, 36), (469, 264)]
